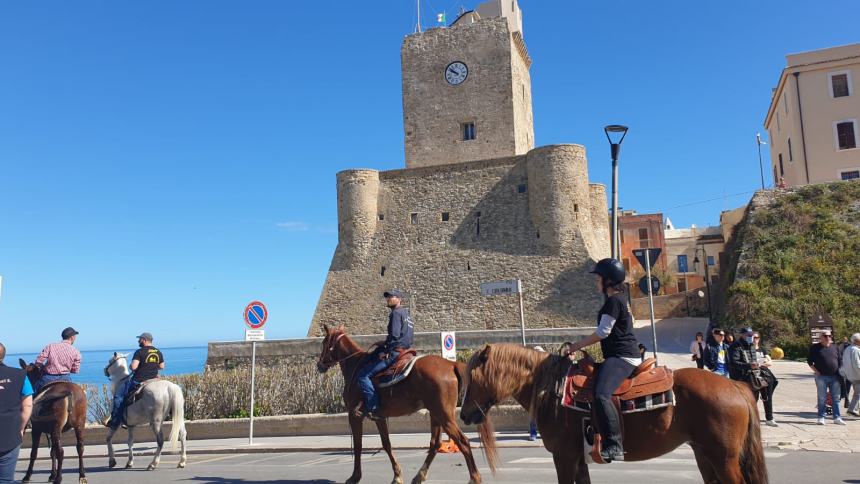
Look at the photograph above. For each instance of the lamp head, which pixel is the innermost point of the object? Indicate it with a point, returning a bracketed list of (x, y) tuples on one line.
[(615, 133)]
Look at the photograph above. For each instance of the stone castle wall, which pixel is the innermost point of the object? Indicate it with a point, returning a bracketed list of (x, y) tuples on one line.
[(534, 217)]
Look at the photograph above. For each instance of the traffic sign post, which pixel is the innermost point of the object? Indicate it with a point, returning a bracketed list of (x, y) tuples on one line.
[(502, 288), (255, 315), (449, 345), (648, 265)]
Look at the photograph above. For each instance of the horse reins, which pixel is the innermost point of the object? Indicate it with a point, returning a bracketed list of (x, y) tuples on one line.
[(331, 363)]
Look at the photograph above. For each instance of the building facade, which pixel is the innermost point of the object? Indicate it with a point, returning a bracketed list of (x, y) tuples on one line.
[(637, 231), (476, 202), (813, 121)]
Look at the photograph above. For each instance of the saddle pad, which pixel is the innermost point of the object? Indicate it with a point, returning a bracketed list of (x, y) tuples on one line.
[(389, 380), (639, 404)]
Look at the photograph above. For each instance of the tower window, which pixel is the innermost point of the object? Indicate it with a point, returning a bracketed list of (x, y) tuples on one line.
[(468, 130), (413, 218), (446, 216), (781, 168), (576, 207), (381, 216), (382, 271), (521, 188)]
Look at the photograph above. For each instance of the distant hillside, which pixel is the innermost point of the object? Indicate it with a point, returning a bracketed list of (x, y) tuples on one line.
[(797, 252)]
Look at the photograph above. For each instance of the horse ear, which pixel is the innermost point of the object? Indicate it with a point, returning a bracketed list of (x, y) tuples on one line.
[(325, 328), (341, 327), (22, 363), (114, 354), (485, 354)]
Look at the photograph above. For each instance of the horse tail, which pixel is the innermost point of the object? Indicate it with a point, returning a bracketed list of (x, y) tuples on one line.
[(460, 373), (177, 410), (752, 457), (488, 443)]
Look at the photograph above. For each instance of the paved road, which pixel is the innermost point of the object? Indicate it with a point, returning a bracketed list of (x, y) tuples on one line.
[(518, 465)]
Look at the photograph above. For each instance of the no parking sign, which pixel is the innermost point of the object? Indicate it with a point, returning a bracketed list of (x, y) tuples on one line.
[(449, 345)]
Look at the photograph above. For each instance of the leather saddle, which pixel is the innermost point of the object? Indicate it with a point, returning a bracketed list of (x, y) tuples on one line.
[(137, 392), (647, 379), (398, 371)]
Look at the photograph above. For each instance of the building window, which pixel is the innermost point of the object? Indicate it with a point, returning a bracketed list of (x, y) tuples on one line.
[(643, 238), (468, 130), (413, 218), (576, 208), (778, 128), (710, 260), (840, 84), (446, 216), (626, 263), (846, 134), (381, 216), (850, 175), (781, 168), (790, 155), (521, 188), (682, 285), (785, 101), (682, 263), (382, 271)]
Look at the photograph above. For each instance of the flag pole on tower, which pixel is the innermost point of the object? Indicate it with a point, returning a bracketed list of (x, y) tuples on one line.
[(419, 15)]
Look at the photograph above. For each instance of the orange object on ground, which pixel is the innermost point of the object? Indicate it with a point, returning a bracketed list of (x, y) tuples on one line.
[(448, 447)]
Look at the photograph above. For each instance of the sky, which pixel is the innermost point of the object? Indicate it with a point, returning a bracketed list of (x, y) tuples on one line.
[(164, 163)]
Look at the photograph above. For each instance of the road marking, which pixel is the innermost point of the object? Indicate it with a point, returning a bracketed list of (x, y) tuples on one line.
[(658, 460), (213, 459)]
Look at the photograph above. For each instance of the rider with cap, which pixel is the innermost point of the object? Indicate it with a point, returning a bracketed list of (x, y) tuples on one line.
[(58, 360), (399, 339), (620, 354), (145, 365)]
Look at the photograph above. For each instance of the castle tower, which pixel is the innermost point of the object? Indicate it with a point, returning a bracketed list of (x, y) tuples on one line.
[(467, 90)]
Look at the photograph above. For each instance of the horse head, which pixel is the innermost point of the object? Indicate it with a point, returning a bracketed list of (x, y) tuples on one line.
[(117, 366), (33, 371), (480, 394), (333, 351)]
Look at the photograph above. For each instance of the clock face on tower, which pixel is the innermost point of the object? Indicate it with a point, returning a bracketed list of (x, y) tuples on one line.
[(456, 73)]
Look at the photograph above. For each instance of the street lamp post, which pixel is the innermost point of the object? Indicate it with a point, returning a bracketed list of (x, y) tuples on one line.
[(707, 280), (759, 142), (618, 133)]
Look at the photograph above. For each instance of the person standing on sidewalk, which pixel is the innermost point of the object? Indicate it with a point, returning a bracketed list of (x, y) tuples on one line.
[(845, 384), (716, 354), (851, 371), (59, 360), (16, 405), (764, 363), (697, 348), (824, 360)]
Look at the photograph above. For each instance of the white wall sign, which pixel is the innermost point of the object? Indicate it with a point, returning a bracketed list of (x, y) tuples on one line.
[(449, 345), (255, 335), (500, 288)]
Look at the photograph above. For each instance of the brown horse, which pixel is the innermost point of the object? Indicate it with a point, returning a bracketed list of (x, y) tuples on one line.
[(716, 416), (57, 407), (434, 384)]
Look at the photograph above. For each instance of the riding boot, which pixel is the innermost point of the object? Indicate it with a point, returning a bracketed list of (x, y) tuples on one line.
[(610, 429)]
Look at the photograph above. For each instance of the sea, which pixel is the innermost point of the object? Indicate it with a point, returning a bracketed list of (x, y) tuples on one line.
[(177, 361)]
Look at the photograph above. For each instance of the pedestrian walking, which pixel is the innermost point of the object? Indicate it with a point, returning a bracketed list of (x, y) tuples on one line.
[(16, 405), (59, 360), (766, 393), (851, 371), (697, 348), (844, 384), (824, 360), (716, 354), (533, 430)]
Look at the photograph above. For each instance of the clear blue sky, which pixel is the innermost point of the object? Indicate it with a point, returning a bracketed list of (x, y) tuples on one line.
[(163, 163)]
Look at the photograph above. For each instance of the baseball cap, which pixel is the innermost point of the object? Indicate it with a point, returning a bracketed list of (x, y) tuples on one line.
[(146, 336), (747, 330), (392, 293), (826, 332), (69, 332)]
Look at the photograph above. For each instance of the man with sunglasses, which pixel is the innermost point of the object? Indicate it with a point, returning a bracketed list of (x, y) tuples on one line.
[(824, 360), (716, 354)]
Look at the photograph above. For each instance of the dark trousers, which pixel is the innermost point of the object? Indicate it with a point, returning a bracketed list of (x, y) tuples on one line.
[(611, 374), (8, 460), (700, 362), (365, 376)]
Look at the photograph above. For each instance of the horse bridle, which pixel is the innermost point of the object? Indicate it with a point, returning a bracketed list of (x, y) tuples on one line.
[(330, 363), (111, 363)]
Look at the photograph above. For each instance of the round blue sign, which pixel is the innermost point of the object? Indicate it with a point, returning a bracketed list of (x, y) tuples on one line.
[(449, 342)]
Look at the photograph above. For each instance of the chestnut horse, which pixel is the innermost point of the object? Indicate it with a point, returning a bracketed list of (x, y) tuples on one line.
[(57, 408), (434, 384), (717, 417)]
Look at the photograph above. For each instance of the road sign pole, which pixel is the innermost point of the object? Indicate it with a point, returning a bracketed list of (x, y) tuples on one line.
[(253, 375), (522, 316), (651, 299)]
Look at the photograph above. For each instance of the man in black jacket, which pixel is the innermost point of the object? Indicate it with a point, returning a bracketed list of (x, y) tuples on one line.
[(742, 357), (399, 339)]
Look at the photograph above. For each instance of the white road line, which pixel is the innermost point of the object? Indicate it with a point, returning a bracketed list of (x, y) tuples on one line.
[(213, 459)]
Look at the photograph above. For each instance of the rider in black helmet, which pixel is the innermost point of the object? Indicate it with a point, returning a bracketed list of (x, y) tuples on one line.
[(620, 353)]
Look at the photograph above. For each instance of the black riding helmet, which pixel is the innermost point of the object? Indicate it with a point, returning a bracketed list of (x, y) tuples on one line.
[(611, 270)]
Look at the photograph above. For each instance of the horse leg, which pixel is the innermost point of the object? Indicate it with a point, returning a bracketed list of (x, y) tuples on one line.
[(57, 444), (34, 452), (355, 426), (459, 438), (564, 468), (159, 440), (182, 435), (726, 466), (130, 441), (50, 438), (705, 467), (111, 459), (382, 425), (580, 470), (435, 433), (79, 439)]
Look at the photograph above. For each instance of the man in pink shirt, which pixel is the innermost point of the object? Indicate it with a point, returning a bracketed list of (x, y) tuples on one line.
[(58, 360)]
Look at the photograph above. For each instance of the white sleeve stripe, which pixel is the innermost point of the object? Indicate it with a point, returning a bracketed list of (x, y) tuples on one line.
[(605, 326)]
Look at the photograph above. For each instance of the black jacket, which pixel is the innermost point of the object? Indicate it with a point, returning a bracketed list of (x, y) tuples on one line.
[(711, 353), (741, 357)]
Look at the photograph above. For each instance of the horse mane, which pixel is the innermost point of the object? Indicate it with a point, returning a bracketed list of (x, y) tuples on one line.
[(547, 378), (504, 367)]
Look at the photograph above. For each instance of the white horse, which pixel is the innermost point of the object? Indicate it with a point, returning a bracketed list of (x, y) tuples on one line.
[(159, 399)]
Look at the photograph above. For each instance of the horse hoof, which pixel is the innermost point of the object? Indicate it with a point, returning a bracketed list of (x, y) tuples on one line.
[(419, 478), (129, 465), (151, 467), (353, 480), (397, 480), (181, 465), (82, 480), (112, 463)]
